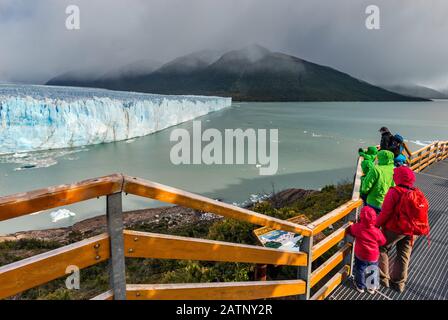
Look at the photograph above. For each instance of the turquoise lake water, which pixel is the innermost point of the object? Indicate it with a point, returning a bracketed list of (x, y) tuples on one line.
[(318, 145)]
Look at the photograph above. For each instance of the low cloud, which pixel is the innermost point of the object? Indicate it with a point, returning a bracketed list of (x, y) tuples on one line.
[(410, 47)]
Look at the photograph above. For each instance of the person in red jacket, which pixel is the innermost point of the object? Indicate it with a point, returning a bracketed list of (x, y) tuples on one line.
[(404, 179), (368, 240)]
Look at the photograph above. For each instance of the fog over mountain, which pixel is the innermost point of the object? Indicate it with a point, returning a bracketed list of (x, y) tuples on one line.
[(418, 91), (252, 73), (409, 47)]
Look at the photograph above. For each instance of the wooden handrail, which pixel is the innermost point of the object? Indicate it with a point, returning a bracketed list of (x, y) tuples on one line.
[(20, 204), (248, 290), (330, 241), (168, 194), (159, 246), (330, 264), (356, 193), (333, 216), (425, 156), (328, 288), (39, 269)]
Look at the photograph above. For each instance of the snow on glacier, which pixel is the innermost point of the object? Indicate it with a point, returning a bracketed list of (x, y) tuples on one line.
[(40, 117)]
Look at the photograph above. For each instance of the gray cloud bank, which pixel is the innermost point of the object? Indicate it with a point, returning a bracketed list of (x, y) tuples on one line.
[(410, 47)]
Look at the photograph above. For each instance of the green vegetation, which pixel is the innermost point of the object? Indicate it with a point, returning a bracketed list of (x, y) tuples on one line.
[(94, 280)]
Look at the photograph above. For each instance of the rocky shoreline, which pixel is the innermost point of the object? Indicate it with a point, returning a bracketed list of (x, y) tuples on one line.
[(172, 216)]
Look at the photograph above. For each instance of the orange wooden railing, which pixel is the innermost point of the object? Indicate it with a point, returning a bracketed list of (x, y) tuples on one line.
[(118, 243), (422, 158), (40, 269)]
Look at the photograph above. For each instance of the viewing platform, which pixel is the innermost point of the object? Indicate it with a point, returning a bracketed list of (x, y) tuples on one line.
[(428, 278), (317, 278)]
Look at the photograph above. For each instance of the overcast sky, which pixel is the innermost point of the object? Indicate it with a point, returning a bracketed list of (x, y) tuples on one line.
[(410, 47)]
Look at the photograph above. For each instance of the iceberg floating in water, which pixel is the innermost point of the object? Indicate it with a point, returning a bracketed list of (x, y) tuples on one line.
[(41, 117), (61, 214)]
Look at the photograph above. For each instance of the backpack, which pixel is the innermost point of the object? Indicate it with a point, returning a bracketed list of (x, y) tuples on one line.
[(396, 146), (412, 218)]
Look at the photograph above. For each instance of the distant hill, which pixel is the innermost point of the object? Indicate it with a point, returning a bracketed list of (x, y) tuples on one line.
[(417, 91), (253, 73)]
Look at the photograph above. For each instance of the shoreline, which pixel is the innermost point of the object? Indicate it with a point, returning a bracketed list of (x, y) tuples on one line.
[(172, 215)]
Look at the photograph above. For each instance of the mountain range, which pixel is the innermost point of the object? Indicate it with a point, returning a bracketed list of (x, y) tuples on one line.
[(253, 73), (417, 91)]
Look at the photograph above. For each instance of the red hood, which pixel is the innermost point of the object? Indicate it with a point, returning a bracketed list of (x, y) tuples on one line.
[(404, 176), (368, 216)]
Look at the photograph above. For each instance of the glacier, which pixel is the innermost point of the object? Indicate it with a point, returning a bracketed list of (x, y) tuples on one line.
[(34, 118)]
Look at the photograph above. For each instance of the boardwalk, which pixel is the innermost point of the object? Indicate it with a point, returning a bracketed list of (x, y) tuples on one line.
[(428, 276)]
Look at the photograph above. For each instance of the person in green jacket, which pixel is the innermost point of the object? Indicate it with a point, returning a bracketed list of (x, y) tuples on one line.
[(369, 157), (378, 181)]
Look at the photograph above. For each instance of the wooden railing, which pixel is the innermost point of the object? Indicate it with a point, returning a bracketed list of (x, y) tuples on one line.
[(118, 243), (422, 158)]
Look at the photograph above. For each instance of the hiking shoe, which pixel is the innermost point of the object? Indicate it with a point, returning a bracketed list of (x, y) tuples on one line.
[(399, 287), (371, 291), (385, 283), (361, 290)]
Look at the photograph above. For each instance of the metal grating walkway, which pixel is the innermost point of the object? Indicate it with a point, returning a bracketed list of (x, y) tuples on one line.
[(428, 270)]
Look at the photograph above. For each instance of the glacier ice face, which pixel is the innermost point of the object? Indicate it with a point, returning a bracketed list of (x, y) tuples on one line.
[(40, 117)]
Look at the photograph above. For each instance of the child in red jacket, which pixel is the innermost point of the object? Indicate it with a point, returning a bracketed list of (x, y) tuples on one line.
[(368, 240)]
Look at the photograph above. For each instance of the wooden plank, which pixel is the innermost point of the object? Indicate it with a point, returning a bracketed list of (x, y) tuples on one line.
[(248, 290), (20, 204), (337, 214), (415, 167), (108, 295), (415, 159), (117, 266), (330, 264), (328, 288), (424, 165), (357, 182), (407, 150), (160, 246), (304, 273), (168, 194), (330, 241), (429, 146), (31, 272), (423, 156)]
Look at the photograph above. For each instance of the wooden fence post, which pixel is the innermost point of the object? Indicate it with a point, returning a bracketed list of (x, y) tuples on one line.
[(305, 271), (436, 151), (353, 216), (350, 258), (117, 269), (445, 151)]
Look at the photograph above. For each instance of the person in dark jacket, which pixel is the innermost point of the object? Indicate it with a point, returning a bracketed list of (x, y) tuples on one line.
[(404, 179), (368, 240), (397, 147), (386, 138)]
